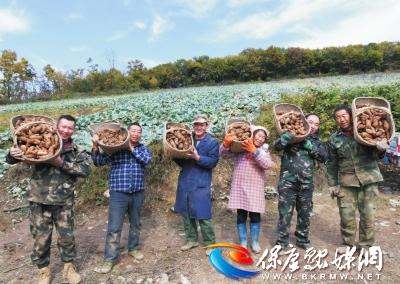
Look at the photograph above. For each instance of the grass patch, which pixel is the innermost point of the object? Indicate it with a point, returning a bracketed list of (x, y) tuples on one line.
[(160, 181), (91, 189)]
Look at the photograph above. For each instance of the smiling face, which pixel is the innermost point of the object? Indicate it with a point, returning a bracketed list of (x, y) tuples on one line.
[(199, 129), (65, 128), (343, 119), (135, 132), (313, 121), (259, 138)]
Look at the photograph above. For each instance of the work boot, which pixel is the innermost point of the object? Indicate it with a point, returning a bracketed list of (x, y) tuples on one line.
[(70, 273), (44, 275), (104, 268), (136, 254), (189, 245), (242, 233), (254, 234)]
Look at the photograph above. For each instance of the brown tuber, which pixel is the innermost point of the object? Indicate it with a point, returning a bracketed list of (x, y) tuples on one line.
[(373, 125), (179, 139), (241, 131), (111, 137), (38, 141), (292, 121)]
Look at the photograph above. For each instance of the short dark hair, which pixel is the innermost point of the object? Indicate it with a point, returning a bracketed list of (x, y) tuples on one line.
[(134, 123), (66, 117), (342, 107)]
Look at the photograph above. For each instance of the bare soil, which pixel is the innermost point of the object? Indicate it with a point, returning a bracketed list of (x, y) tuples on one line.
[(162, 236)]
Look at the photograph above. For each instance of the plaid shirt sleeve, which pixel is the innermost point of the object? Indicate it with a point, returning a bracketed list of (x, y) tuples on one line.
[(263, 158), (100, 159), (142, 154)]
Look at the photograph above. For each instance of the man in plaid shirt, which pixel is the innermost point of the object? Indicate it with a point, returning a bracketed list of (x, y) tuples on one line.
[(126, 185)]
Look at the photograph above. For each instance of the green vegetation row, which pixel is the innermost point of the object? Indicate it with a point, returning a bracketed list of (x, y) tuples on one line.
[(316, 101), (19, 81), (153, 109)]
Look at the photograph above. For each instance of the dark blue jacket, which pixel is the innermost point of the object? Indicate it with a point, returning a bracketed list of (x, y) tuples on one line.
[(193, 196)]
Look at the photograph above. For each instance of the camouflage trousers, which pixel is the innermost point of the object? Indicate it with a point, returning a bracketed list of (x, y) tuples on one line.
[(206, 229), (364, 199), (42, 218), (294, 195)]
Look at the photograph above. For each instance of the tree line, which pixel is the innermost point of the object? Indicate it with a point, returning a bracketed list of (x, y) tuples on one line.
[(19, 81)]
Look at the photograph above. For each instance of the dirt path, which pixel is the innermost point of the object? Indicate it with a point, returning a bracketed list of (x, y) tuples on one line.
[(162, 236)]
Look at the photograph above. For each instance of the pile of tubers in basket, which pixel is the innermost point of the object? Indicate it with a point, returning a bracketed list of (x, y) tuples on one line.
[(111, 137), (292, 121), (38, 141), (28, 119), (373, 126), (179, 139), (240, 131)]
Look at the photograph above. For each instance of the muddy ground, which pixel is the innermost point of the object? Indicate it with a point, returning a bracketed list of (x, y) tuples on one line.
[(162, 235)]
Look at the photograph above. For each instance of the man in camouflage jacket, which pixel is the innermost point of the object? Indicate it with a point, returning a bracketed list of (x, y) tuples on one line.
[(353, 176), (51, 200), (296, 185)]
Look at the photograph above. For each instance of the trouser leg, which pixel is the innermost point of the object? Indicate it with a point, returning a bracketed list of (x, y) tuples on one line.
[(134, 211), (63, 217), (241, 216), (367, 207), (287, 197), (347, 202), (207, 231), (118, 205), (41, 227), (190, 227), (303, 208)]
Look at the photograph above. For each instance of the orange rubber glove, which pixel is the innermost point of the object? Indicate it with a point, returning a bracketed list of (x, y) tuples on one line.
[(228, 139), (249, 146)]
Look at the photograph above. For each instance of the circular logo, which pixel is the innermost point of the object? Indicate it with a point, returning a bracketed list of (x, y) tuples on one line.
[(237, 254)]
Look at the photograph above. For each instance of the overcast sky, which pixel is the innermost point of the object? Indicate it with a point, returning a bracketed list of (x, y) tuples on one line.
[(66, 33)]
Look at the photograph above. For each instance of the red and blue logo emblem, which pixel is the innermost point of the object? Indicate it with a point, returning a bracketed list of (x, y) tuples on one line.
[(237, 254)]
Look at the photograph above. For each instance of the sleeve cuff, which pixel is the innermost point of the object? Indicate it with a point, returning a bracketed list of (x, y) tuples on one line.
[(257, 153)]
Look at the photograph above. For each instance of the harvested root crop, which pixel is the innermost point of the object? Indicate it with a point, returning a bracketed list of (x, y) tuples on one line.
[(38, 141), (292, 122), (373, 125), (111, 137), (179, 139), (241, 131), (27, 119)]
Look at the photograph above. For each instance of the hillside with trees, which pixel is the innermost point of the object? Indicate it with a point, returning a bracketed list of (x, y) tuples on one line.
[(19, 81)]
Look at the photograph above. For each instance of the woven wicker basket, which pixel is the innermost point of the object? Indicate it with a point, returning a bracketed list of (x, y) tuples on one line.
[(358, 107), (30, 160), (96, 127), (236, 146), (14, 119), (286, 108), (171, 152)]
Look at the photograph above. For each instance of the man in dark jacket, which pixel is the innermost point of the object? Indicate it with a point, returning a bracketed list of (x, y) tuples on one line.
[(51, 200), (193, 196), (296, 184)]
